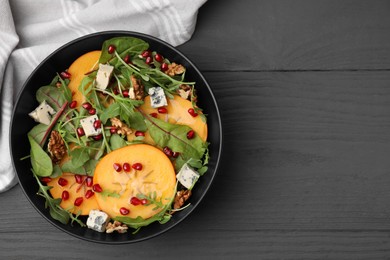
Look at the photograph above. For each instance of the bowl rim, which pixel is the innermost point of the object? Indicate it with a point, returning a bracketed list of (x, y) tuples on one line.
[(133, 34)]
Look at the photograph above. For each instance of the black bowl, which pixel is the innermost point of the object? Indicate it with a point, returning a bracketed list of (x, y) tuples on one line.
[(61, 60)]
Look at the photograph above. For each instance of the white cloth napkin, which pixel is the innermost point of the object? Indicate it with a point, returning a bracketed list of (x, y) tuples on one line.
[(31, 30)]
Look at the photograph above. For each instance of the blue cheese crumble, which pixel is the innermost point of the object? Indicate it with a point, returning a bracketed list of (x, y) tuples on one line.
[(157, 97), (187, 176)]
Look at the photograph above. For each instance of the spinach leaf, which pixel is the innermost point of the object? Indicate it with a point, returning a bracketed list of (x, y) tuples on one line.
[(40, 160), (175, 137), (124, 45), (117, 142), (38, 133), (79, 156), (53, 96)]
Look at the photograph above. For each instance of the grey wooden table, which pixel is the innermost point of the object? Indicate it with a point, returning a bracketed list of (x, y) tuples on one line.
[(304, 91)]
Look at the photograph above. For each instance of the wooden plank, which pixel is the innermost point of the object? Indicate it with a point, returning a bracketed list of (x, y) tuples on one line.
[(291, 35), (304, 175)]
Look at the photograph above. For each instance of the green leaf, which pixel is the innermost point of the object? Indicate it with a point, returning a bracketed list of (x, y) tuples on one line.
[(124, 45), (107, 193), (39, 132), (55, 210), (53, 96), (133, 118), (79, 156), (175, 137), (64, 88), (117, 142), (40, 160), (57, 172), (112, 111), (86, 84)]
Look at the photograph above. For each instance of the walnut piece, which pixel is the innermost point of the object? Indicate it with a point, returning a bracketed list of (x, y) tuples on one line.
[(184, 91), (56, 146), (122, 128), (139, 93), (180, 198), (116, 226), (175, 69)]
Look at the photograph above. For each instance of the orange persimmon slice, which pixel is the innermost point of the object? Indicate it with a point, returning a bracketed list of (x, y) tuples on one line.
[(177, 113), (156, 178), (82, 65), (75, 190)]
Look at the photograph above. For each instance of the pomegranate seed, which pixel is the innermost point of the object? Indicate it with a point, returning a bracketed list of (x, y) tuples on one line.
[(135, 201), (80, 131), (46, 179), (190, 134), (92, 111), (96, 188), (79, 178), (73, 104), (126, 59), (65, 75), (78, 201), (126, 167), (117, 167), (97, 124), (168, 151), (89, 194), (113, 130), (164, 66), (162, 110), (62, 181), (65, 195), (146, 54), (137, 166), (153, 115), (175, 154), (192, 112), (89, 181), (86, 105), (111, 49), (158, 57), (124, 211), (125, 93), (139, 133), (116, 91), (148, 60), (144, 201), (97, 137)]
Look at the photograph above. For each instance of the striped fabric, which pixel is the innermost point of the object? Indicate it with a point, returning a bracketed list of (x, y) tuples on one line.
[(31, 30)]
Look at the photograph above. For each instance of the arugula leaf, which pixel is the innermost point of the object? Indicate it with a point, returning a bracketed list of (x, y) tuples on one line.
[(64, 88), (87, 84), (124, 45), (112, 111), (139, 222), (55, 210), (175, 137), (40, 160), (107, 193), (132, 117)]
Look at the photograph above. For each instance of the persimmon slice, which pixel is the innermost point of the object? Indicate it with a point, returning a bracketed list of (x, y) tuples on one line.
[(82, 65), (75, 190), (177, 113), (156, 178)]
